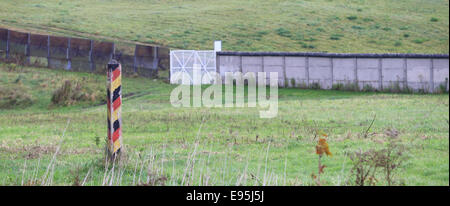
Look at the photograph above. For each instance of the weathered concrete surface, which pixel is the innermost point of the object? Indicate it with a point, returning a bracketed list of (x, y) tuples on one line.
[(274, 64), (393, 72), (296, 71), (229, 64), (80, 54), (440, 73), (344, 70), (320, 72), (419, 73), (429, 73)]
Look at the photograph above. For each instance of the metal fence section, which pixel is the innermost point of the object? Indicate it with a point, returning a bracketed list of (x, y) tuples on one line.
[(77, 54), (187, 61)]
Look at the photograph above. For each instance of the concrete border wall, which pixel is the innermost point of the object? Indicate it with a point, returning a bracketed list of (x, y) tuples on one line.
[(382, 72), (78, 54)]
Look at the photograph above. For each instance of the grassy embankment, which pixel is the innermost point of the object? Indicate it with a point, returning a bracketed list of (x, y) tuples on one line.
[(343, 26)]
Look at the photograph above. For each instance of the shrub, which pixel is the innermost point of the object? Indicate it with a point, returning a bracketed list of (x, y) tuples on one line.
[(315, 85), (357, 27), (368, 88), (73, 92), (419, 41), (321, 149), (336, 36), (443, 87), (307, 46), (293, 84), (338, 86), (351, 18), (283, 32), (349, 86), (384, 162), (433, 19), (394, 87)]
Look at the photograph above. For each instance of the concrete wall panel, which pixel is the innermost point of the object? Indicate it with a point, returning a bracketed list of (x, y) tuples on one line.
[(320, 71), (344, 70), (393, 70), (419, 74), (440, 73), (229, 64), (296, 70)]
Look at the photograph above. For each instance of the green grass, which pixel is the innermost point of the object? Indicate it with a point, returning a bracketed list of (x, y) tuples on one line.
[(232, 145), (366, 26)]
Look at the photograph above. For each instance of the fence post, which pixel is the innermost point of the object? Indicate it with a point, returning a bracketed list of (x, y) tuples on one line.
[(356, 74), (431, 75), (155, 58), (134, 60), (380, 73), (69, 62), (405, 73), (7, 43), (27, 49), (114, 102), (306, 70), (262, 63), (113, 52), (284, 72), (332, 72), (91, 63), (240, 64), (48, 51)]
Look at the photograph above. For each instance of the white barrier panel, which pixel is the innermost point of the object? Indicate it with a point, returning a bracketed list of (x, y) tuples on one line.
[(186, 61)]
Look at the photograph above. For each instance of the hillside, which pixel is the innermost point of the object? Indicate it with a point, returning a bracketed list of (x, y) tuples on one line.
[(383, 26)]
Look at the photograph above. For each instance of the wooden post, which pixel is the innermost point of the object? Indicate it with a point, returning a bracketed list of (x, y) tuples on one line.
[(284, 72), (48, 51), (380, 73), (27, 49), (306, 71), (155, 58), (405, 73), (114, 103), (7, 43), (356, 74), (91, 62), (431, 75), (135, 60), (240, 64), (69, 62), (332, 72)]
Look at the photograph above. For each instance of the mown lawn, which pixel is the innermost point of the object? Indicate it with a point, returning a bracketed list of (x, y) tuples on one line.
[(213, 146), (383, 26)]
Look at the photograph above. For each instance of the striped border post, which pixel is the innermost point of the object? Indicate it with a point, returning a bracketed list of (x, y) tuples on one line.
[(114, 103)]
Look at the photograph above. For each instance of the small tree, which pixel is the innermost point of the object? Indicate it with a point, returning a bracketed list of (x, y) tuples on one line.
[(321, 149)]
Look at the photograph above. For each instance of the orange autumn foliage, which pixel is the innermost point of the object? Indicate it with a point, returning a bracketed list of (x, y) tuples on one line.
[(322, 147)]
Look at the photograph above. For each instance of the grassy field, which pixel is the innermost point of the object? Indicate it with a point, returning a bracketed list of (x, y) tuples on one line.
[(357, 26), (41, 143)]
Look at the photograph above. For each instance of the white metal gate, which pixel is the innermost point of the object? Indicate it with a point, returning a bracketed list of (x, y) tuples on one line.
[(186, 61)]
